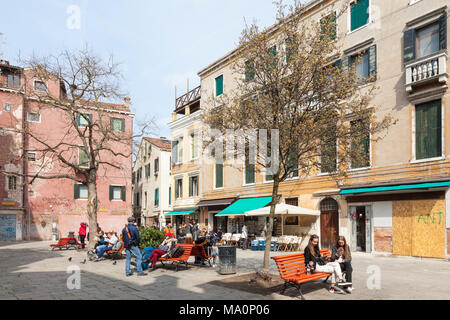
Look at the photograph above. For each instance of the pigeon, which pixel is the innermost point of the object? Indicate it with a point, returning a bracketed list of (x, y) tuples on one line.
[(84, 261), (114, 263), (70, 259)]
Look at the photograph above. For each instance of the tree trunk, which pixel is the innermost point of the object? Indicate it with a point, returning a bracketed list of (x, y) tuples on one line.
[(92, 207), (265, 272)]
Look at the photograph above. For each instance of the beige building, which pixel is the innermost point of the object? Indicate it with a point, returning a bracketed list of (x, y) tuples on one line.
[(399, 201), (151, 182)]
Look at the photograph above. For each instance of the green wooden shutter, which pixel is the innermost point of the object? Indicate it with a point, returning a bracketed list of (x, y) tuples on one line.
[(219, 175), (409, 45), (328, 24), (111, 192), (429, 130), (170, 195), (76, 191), (443, 32), (219, 86), (156, 197), (123, 193), (191, 187), (373, 62), (359, 12), (249, 70), (345, 63), (249, 173)]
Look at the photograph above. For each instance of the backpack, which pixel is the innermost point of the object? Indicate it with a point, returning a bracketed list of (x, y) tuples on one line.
[(175, 252), (117, 246)]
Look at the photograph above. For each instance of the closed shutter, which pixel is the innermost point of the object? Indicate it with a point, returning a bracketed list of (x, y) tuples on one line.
[(170, 195), (443, 32), (409, 45), (373, 62), (219, 86), (359, 14), (249, 70), (219, 175), (156, 197), (76, 191), (123, 193), (249, 173), (429, 130), (111, 192), (191, 187)]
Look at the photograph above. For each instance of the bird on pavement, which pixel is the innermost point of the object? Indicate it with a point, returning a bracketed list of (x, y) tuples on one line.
[(70, 259), (84, 261), (114, 263)]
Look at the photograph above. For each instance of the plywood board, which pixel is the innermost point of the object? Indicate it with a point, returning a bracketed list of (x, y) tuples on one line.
[(402, 227)]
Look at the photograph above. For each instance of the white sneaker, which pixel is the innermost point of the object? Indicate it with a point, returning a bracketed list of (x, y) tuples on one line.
[(349, 289)]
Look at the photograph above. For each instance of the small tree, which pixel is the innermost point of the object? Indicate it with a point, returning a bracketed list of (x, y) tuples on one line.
[(288, 78), (90, 140)]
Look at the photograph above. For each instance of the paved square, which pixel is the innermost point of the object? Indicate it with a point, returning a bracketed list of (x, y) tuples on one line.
[(31, 271)]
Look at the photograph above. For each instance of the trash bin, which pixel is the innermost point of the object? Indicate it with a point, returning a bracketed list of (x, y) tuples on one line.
[(227, 259)]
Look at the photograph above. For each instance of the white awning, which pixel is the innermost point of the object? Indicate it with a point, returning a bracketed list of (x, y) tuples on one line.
[(283, 209)]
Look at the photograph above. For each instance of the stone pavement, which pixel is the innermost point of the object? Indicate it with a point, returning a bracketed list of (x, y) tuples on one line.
[(29, 270)]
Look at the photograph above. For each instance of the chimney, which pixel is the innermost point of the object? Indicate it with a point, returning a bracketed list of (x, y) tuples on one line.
[(127, 101)]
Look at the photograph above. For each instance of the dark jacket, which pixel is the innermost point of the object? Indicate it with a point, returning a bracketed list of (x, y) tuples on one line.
[(335, 255), (312, 257), (134, 233)]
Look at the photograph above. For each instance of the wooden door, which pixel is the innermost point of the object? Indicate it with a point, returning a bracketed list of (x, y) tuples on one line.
[(329, 228)]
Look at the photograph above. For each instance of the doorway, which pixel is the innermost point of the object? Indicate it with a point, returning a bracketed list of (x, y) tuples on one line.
[(361, 228), (329, 223)]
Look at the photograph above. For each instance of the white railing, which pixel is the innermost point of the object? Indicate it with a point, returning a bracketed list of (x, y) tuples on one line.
[(423, 70)]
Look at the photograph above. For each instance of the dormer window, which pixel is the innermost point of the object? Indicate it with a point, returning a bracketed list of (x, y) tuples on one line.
[(40, 86)]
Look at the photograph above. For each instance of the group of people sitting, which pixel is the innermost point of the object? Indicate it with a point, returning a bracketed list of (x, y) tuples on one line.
[(339, 263), (191, 232), (104, 243)]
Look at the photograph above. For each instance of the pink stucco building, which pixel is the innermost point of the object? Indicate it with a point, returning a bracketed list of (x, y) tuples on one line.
[(36, 208)]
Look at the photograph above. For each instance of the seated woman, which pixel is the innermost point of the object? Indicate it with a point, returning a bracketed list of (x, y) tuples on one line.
[(317, 263), (342, 254), (163, 248), (111, 241), (100, 239), (217, 236)]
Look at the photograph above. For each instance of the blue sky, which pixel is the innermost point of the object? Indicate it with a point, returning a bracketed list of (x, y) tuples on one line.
[(160, 43)]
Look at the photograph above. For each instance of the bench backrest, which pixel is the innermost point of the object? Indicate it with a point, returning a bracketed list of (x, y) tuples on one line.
[(187, 251), (293, 265)]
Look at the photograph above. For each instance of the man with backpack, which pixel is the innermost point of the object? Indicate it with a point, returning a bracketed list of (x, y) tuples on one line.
[(130, 236)]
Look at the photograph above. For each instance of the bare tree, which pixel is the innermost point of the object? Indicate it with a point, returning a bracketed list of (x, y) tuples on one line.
[(289, 78), (86, 92)]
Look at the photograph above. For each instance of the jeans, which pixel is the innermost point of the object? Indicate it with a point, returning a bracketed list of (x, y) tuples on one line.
[(347, 267), (134, 250), (214, 254), (331, 267), (101, 250)]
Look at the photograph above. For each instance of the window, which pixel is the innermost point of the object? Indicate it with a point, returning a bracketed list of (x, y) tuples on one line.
[(194, 146), (147, 170), (328, 151), (145, 201), (293, 165), (156, 166), (40, 86), (292, 201), (365, 64), (7, 107), (117, 193), (13, 81), (156, 197), (360, 145), (139, 174), (83, 120), (219, 86), (12, 182), (177, 151), (170, 195), (328, 26), (133, 178), (249, 70), (420, 42), (193, 186), (80, 191), (218, 176), (31, 156), (249, 172), (291, 49), (429, 130), (179, 188), (83, 158), (427, 40), (33, 117), (118, 124), (359, 14)]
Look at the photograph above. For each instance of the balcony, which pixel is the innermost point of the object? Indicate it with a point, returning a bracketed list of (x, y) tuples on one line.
[(428, 70), (188, 103)]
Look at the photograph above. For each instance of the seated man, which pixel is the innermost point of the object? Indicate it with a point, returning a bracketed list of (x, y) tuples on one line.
[(217, 237), (111, 241), (146, 253)]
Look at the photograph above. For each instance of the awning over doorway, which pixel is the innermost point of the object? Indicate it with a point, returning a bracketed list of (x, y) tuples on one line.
[(216, 202), (401, 187), (283, 209), (180, 213), (240, 207)]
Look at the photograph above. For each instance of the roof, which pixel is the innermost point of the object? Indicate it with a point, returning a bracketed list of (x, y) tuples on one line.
[(160, 143), (105, 105)]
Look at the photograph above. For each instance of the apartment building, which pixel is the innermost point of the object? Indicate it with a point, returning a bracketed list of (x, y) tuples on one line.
[(186, 131), (38, 209), (152, 195), (398, 201)]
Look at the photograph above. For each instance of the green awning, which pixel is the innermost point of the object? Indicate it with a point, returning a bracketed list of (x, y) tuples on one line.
[(241, 206), (180, 213), (397, 187)]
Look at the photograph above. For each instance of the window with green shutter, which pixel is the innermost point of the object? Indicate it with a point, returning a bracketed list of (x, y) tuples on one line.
[(429, 130), (147, 170), (76, 191), (249, 172), (360, 145), (118, 124), (249, 70), (219, 85), (123, 193), (328, 151), (193, 186), (328, 26), (359, 14), (156, 197), (219, 176), (293, 165), (170, 195), (117, 193), (83, 158)]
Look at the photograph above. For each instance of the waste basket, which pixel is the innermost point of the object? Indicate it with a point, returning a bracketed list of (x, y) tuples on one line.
[(227, 259)]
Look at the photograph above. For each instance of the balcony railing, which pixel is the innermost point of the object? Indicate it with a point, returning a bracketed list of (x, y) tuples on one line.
[(187, 98), (427, 69)]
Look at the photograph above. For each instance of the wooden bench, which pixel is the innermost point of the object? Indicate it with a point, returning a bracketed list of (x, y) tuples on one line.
[(199, 251), (292, 270), (67, 243), (183, 259), (115, 254)]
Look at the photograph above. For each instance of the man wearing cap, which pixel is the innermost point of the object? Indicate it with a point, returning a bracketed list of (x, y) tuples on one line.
[(130, 236)]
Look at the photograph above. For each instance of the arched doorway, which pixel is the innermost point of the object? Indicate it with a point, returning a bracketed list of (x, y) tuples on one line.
[(329, 222)]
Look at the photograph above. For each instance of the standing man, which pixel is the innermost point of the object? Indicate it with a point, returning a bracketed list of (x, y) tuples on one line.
[(244, 235), (130, 236)]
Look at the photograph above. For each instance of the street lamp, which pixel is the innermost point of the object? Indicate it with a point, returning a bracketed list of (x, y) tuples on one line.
[(53, 225)]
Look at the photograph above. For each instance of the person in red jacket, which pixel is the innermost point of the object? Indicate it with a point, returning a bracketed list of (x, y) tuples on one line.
[(82, 232)]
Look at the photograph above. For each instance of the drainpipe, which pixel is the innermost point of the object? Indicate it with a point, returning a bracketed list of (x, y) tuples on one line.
[(25, 198)]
